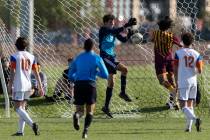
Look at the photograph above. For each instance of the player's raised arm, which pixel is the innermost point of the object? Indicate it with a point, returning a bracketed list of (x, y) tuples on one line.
[(122, 38), (177, 41), (113, 31), (109, 20)]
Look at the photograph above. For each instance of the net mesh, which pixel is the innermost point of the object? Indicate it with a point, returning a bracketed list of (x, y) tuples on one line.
[(148, 96)]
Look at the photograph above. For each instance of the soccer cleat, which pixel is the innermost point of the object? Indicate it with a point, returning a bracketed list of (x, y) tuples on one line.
[(176, 106), (18, 134), (125, 97), (76, 121), (187, 130), (107, 111), (84, 134), (198, 124), (170, 105), (35, 129)]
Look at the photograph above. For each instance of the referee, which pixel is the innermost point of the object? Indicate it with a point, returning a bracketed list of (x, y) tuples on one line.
[(84, 69)]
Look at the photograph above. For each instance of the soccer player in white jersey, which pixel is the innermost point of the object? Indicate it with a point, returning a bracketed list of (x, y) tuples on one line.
[(188, 64), (21, 64)]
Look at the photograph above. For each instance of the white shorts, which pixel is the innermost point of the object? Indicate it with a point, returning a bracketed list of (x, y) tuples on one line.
[(187, 93), (21, 96)]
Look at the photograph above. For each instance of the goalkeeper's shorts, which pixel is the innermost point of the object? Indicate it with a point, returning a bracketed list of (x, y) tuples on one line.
[(111, 64)]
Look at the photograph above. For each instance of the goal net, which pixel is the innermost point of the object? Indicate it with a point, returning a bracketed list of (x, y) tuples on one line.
[(148, 96)]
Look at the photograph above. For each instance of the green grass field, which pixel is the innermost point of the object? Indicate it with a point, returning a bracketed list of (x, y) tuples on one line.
[(108, 129), (153, 121)]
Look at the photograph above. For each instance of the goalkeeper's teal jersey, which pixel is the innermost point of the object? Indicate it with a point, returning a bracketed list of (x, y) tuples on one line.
[(107, 40)]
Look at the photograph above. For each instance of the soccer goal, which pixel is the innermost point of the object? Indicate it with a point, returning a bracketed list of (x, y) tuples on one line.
[(85, 16)]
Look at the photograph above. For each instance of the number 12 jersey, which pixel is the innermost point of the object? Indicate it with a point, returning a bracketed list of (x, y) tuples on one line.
[(187, 60)]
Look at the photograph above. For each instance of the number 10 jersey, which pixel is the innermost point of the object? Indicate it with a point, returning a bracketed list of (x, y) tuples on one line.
[(23, 63)]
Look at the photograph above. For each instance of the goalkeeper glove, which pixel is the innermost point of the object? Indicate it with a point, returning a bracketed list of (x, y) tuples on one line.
[(131, 32), (131, 22)]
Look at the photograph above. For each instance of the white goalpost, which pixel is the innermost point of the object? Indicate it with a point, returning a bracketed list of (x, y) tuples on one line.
[(86, 18)]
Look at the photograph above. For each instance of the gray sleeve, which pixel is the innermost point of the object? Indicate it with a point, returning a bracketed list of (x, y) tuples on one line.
[(44, 82)]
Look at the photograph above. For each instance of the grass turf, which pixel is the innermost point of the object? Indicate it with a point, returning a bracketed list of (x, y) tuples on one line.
[(108, 129), (157, 123)]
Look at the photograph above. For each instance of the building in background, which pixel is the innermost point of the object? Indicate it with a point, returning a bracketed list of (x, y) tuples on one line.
[(119, 8), (207, 5)]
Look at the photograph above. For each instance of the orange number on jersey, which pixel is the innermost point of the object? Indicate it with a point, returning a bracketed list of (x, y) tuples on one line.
[(25, 64), (189, 61)]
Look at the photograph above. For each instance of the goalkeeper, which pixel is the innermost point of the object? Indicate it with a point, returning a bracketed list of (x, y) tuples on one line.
[(107, 43), (163, 43)]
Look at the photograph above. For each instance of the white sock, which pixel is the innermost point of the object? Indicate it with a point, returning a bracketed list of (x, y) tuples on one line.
[(192, 110), (21, 125), (25, 116), (79, 114), (189, 124), (188, 113)]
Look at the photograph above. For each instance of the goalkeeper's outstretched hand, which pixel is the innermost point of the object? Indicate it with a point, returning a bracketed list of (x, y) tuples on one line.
[(131, 22), (130, 33)]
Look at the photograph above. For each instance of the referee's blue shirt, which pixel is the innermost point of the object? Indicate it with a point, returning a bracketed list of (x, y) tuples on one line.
[(86, 66)]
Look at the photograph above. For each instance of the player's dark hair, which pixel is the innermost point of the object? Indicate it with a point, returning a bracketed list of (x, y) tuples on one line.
[(187, 39), (38, 63), (21, 43), (165, 23), (88, 45), (70, 59), (108, 17)]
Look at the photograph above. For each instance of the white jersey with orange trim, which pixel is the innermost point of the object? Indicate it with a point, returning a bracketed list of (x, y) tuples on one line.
[(22, 62), (187, 60)]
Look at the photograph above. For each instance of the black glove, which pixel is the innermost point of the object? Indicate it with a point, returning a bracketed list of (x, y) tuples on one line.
[(131, 22), (130, 33)]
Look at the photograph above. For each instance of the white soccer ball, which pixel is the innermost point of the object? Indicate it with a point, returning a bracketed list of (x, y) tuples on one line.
[(136, 38)]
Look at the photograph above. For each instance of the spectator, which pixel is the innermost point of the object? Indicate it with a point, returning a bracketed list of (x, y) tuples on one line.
[(6, 71), (34, 82), (63, 87)]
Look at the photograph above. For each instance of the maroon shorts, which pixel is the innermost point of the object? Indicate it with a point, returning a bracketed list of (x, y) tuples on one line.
[(164, 64)]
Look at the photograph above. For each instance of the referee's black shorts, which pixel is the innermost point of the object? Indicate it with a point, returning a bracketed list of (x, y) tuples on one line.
[(84, 93)]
